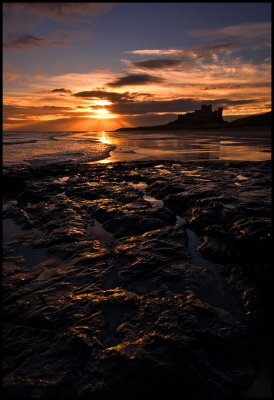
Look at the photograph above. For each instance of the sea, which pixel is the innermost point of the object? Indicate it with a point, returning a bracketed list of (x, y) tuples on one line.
[(23, 148)]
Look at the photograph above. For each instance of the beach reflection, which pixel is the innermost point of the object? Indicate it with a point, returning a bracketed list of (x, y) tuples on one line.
[(132, 146), (105, 138)]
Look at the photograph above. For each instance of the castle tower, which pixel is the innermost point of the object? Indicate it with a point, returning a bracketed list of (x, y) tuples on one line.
[(220, 113), (206, 108)]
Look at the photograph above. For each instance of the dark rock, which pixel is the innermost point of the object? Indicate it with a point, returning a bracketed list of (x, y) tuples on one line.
[(144, 315), (180, 202), (215, 250), (20, 216), (161, 189), (252, 238)]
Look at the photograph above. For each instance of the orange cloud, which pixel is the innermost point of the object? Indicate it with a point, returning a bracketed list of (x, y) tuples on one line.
[(191, 52)]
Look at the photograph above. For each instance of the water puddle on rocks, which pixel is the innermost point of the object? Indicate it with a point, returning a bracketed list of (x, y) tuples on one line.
[(180, 221), (138, 205), (62, 194), (10, 230), (213, 288), (98, 232), (154, 202), (93, 183), (188, 172), (6, 205), (12, 236), (140, 186), (193, 243), (228, 206), (61, 180), (31, 256), (224, 142), (241, 177), (162, 169)]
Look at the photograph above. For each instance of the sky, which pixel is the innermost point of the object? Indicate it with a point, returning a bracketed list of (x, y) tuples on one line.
[(102, 66)]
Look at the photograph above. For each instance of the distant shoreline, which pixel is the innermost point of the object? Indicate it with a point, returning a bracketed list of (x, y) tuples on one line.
[(260, 132), (263, 132)]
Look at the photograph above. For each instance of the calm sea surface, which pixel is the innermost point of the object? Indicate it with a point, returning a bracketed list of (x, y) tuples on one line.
[(39, 148)]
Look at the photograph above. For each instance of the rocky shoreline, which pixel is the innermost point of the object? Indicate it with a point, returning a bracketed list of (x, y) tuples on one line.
[(136, 280)]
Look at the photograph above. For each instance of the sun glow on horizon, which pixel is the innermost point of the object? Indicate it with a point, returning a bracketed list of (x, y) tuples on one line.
[(102, 102), (102, 113)]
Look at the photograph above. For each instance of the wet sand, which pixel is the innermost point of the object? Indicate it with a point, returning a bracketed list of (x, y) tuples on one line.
[(259, 132), (208, 145)]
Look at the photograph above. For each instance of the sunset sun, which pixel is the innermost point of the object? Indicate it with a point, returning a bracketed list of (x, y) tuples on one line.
[(102, 113), (103, 102)]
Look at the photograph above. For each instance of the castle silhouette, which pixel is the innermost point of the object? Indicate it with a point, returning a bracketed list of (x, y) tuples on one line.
[(203, 116)]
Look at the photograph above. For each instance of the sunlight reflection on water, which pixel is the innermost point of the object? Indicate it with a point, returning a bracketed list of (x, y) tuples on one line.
[(40, 148), (184, 146)]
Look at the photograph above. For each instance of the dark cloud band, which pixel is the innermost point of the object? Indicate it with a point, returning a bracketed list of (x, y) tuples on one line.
[(101, 94), (173, 106), (60, 90), (158, 63), (23, 41), (135, 79)]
